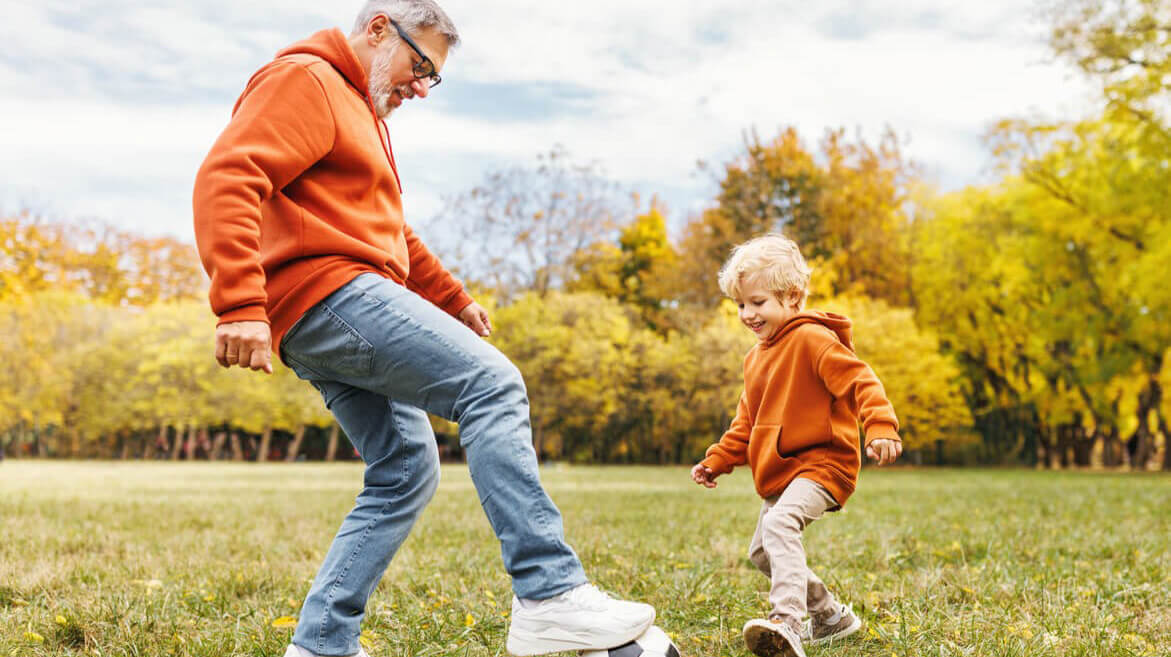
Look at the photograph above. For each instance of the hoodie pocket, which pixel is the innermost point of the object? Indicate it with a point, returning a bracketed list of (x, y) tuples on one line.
[(802, 436), (761, 441)]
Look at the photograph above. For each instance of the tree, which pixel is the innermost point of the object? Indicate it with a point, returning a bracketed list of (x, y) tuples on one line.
[(573, 350), (1125, 47), (633, 270), (519, 229), (922, 383), (100, 262), (847, 207)]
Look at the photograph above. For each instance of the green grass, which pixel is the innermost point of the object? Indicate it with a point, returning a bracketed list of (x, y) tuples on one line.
[(201, 559)]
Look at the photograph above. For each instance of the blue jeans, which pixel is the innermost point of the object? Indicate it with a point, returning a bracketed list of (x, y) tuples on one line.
[(382, 357)]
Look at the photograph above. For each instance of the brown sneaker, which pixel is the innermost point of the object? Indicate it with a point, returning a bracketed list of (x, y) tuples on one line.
[(772, 638), (824, 628)]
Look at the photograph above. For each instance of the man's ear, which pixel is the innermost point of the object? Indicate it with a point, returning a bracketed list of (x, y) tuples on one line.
[(378, 29)]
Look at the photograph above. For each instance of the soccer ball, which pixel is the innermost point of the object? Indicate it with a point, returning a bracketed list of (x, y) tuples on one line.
[(653, 643)]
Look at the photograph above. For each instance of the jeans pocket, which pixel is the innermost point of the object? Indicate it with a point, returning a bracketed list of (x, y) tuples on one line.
[(325, 346)]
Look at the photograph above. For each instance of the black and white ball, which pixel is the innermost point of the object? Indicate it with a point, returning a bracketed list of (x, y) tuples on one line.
[(653, 643)]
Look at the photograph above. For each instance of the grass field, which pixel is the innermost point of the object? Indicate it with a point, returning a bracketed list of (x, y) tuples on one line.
[(213, 559)]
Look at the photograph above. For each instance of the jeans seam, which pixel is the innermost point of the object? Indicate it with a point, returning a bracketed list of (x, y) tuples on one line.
[(329, 596), (406, 465), (360, 544), (373, 521)]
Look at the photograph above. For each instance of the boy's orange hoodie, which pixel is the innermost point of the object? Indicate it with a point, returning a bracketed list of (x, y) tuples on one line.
[(300, 194), (804, 393)]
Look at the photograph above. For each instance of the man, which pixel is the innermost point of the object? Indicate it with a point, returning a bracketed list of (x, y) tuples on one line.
[(299, 222)]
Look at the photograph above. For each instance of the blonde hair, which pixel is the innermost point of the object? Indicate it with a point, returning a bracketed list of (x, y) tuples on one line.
[(775, 261)]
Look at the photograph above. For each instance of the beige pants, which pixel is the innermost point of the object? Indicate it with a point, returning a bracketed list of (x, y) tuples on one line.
[(777, 550)]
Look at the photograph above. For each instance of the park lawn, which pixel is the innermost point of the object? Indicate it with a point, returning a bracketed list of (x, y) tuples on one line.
[(208, 559)]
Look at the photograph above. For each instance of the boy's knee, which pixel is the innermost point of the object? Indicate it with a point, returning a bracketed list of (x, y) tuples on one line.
[(790, 518), (759, 558)]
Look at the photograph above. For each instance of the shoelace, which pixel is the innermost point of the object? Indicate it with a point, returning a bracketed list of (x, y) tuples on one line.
[(588, 596)]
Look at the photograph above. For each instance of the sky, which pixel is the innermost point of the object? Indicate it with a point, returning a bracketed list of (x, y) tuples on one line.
[(107, 107)]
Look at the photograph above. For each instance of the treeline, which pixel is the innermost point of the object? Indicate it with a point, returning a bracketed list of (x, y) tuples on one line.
[(100, 377), (1020, 322)]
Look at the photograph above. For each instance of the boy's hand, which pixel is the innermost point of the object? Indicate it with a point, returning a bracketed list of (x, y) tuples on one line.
[(884, 450), (702, 475)]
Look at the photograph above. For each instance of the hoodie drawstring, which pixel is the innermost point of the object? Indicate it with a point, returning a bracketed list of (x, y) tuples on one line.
[(387, 149)]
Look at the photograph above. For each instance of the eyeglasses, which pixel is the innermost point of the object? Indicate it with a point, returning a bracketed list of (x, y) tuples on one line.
[(424, 68)]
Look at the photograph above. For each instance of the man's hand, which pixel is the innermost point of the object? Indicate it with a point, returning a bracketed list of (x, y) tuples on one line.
[(703, 475), (476, 318), (884, 450), (247, 344)]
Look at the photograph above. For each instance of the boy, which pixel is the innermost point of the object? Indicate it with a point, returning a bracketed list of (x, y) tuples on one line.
[(797, 428)]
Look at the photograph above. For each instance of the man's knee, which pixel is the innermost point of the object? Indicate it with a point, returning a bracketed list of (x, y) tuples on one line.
[(429, 474), (504, 373), (496, 382)]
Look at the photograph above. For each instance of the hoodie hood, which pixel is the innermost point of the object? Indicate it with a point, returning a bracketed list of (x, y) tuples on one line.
[(332, 46), (839, 324)]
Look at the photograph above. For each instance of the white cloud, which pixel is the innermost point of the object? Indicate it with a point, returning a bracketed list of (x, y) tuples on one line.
[(110, 110)]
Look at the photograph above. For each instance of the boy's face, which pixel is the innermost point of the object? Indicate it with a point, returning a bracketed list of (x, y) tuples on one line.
[(760, 309)]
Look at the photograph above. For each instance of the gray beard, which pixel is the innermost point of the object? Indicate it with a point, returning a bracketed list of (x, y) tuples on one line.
[(380, 87)]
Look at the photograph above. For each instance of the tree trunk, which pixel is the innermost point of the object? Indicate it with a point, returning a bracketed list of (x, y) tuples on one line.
[(1083, 442), (1045, 441), (331, 448), (38, 448), (237, 451), (1163, 430), (265, 443), (1063, 431), (124, 453), (12, 441), (217, 445), (74, 442), (177, 445), (205, 442), (148, 451), (538, 441), (191, 443), (295, 446), (1140, 444)]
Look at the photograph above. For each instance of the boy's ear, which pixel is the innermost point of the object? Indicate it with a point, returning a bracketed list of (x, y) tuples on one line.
[(793, 299)]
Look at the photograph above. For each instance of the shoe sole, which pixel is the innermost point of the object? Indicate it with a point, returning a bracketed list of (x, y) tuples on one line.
[(837, 636), (522, 643), (764, 643)]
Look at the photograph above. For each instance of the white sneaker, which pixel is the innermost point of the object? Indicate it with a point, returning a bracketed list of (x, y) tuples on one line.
[(298, 651), (582, 618), (770, 638)]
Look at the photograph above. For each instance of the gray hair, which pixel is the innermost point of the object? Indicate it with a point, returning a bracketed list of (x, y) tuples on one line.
[(411, 15)]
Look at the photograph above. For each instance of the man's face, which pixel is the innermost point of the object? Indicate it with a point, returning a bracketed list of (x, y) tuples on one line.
[(392, 80)]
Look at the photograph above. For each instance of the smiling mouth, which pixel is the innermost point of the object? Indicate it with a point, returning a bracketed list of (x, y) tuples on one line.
[(756, 326), (400, 96)]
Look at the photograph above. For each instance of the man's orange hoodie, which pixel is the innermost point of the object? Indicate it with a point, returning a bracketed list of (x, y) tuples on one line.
[(300, 194), (804, 393)]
